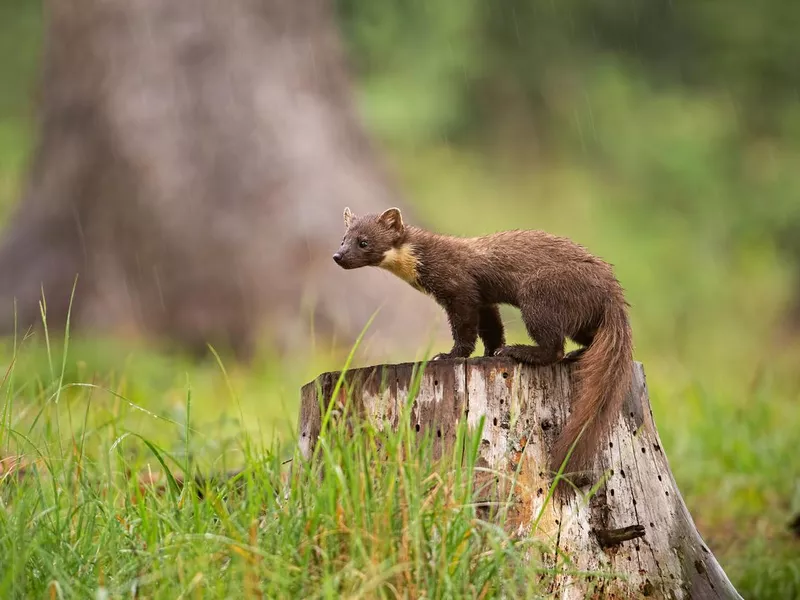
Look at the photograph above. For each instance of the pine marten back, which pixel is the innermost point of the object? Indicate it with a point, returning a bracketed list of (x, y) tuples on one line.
[(562, 292)]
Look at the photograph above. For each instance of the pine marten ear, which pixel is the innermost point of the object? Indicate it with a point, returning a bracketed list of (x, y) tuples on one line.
[(349, 217), (392, 219)]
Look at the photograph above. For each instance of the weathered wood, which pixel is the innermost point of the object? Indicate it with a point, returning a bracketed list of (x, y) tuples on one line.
[(636, 526)]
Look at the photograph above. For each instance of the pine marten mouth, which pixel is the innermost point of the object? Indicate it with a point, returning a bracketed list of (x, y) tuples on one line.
[(348, 266)]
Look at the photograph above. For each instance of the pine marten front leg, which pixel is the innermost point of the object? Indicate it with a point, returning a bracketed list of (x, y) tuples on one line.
[(464, 319), (490, 329)]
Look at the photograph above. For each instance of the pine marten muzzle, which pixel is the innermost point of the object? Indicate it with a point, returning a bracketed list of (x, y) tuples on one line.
[(563, 292)]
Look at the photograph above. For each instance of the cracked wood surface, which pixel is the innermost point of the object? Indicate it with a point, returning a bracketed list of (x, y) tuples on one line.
[(634, 534)]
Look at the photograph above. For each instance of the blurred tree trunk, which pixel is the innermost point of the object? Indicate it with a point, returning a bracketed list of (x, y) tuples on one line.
[(193, 162)]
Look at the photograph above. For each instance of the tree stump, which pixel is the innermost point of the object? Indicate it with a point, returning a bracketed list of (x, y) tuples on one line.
[(635, 526)]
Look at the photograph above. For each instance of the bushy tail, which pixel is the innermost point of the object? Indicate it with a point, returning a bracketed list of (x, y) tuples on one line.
[(603, 379)]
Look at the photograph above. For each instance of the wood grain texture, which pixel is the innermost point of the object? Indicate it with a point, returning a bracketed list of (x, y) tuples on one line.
[(635, 532)]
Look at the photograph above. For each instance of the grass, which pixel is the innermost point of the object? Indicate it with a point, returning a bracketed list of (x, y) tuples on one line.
[(86, 518)]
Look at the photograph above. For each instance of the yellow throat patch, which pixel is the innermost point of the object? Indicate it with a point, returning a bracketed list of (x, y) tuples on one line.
[(402, 262)]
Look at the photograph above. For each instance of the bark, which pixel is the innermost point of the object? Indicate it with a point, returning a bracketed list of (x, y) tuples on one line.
[(635, 529), (193, 162)]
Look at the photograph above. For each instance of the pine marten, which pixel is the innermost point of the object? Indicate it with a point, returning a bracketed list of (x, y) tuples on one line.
[(561, 289)]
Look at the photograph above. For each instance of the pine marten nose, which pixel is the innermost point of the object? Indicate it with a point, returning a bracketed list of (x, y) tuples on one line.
[(337, 258)]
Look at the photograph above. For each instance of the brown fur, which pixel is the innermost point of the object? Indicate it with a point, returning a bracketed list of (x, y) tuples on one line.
[(561, 289)]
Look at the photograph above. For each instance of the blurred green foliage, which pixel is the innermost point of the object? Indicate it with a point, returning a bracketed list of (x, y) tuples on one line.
[(534, 50)]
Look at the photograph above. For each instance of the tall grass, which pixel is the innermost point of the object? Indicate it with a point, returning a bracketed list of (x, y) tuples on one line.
[(92, 506)]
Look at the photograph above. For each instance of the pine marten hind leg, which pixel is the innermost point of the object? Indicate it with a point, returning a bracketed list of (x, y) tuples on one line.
[(550, 348), (490, 329), (584, 337)]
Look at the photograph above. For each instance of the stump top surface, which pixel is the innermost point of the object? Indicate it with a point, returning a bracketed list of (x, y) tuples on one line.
[(484, 362)]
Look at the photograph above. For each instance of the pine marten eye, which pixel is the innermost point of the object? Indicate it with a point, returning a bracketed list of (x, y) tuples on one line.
[(363, 243)]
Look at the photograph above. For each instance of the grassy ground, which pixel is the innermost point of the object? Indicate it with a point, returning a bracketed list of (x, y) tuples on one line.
[(383, 522)]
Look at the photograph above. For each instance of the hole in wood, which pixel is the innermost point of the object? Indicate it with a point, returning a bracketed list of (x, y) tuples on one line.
[(610, 444), (656, 447), (546, 425), (699, 566), (611, 473), (495, 421), (417, 426), (631, 413), (667, 493), (435, 382), (611, 492), (505, 374), (659, 477), (651, 525), (501, 402), (622, 472), (438, 433)]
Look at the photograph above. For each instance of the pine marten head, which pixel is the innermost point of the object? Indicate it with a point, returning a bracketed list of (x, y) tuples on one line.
[(376, 241)]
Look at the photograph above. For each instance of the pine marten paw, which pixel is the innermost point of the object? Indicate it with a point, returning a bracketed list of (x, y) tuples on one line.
[(574, 356), (449, 355), (529, 355), (507, 351)]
